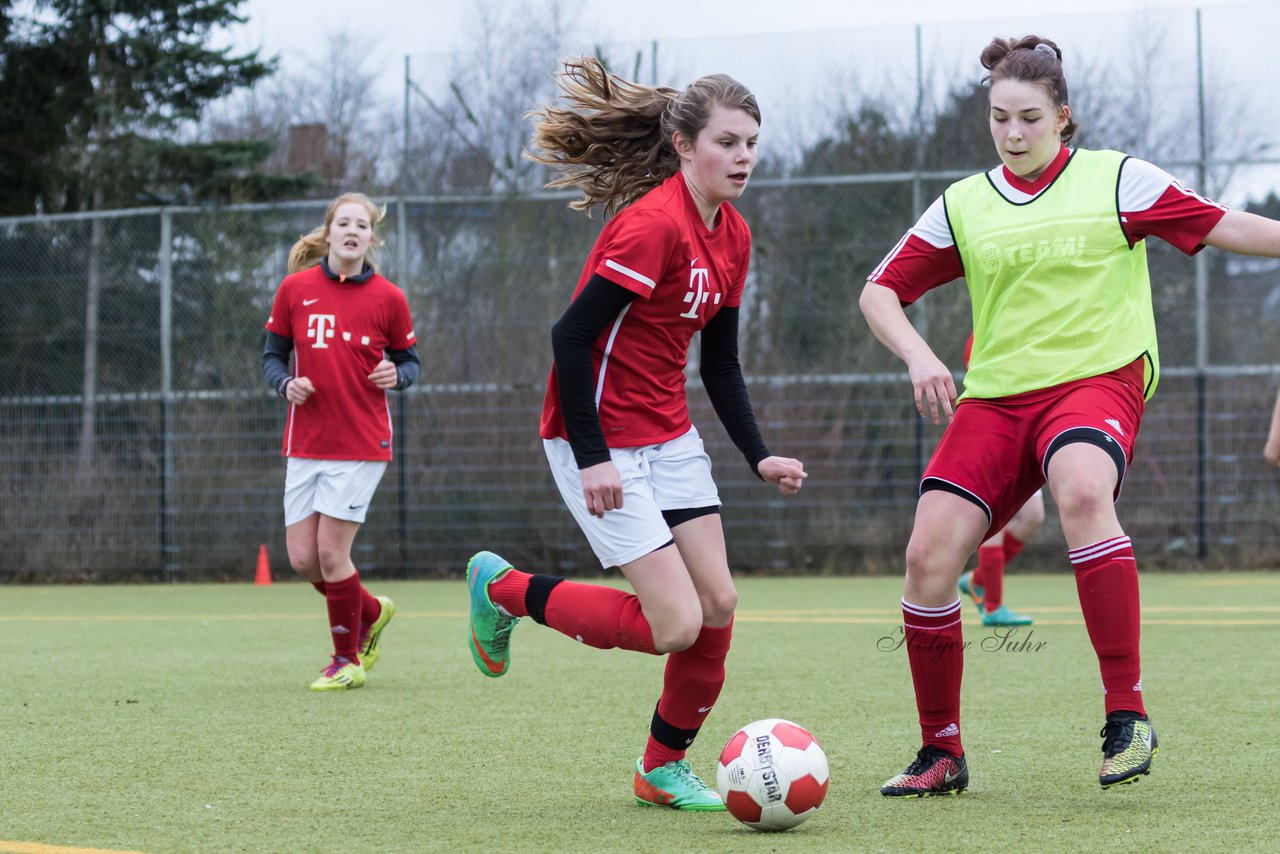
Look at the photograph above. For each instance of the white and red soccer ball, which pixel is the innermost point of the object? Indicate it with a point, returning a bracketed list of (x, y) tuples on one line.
[(772, 775)]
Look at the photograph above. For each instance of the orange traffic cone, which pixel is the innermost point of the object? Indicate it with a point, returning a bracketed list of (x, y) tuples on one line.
[(262, 577)]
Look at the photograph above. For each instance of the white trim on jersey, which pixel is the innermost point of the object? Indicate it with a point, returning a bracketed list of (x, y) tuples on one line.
[(1177, 185), (1001, 182), (288, 439), (933, 227), (608, 348), (888, 259), (293, 407), (1141, 185), (631, 274)]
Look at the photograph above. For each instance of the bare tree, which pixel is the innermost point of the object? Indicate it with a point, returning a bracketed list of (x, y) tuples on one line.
[(467, 113), (327, 119)]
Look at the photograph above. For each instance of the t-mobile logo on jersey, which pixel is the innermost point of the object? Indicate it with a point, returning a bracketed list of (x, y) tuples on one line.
[(699, 290), (320, 328)]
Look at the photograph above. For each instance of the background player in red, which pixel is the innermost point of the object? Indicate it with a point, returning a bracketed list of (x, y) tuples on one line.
[(615, 423), (1271, 451), (985, 585), (352, 340), (1051, 246)]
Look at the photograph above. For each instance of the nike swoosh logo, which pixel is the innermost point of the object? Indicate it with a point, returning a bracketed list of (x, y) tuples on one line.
[(354, 506), (310, 301), (494, 667), (704, 709), (948, 777)]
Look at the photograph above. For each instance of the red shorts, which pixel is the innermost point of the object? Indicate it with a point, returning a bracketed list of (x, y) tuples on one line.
[(996, 452)]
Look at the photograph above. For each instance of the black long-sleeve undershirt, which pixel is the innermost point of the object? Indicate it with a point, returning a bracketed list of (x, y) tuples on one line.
[(595, 307), (275, 363), (721, 374)]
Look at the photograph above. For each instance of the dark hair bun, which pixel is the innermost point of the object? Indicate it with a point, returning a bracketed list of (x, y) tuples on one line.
[(999, 48)]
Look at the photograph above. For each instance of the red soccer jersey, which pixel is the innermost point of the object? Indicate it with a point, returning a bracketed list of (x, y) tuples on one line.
[(340, 329), (682, 274)]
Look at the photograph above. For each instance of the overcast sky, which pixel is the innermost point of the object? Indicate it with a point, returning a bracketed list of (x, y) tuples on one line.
[(296, 28), (848, 46)]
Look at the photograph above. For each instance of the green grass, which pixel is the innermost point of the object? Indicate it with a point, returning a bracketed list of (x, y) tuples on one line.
[(177, 718)]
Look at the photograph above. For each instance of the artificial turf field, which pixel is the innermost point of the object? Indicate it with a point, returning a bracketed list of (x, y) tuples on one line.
[(177, 718)]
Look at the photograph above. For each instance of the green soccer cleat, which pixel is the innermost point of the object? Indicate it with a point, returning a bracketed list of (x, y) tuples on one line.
[(490, 629), (1002, 616), (1128, 744), (370, 650), (675, 785), (340, 675), (973, 591), (933, 772)]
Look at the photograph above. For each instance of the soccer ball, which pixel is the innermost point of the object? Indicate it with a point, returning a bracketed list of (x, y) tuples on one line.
[(772, 775)]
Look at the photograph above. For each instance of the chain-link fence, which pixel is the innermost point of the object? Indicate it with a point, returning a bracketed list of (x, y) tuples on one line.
[(138, 440)]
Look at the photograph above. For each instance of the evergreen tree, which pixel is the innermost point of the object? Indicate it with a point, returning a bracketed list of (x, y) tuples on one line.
[(95, 93)]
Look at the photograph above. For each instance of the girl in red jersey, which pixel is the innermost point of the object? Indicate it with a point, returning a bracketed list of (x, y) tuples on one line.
[(352, 339), (1051, 246), (1271, 451), (615, 423)]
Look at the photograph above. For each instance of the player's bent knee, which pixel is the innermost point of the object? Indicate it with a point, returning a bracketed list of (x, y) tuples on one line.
[(926, 559), (676, 637), (718, 607), (307, 565), (308, 571)]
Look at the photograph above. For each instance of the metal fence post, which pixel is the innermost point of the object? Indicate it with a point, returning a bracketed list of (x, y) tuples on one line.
[(168, 549), (1202, 325), (917, 208)]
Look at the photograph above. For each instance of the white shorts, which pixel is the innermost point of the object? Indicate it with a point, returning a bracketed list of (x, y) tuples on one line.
[(338, 488), (674, 475)]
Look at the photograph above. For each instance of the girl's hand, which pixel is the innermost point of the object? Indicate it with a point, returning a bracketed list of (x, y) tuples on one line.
[(602, 488), (298, 389), (384, 375), (786, 473), (933, 386)]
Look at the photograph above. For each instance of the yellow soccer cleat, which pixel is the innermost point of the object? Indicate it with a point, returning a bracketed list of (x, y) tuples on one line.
[(340, 675), (370, 651)]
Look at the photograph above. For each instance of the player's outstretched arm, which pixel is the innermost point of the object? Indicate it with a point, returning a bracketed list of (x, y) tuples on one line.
[(931, 381), (1272, 449), (784, 472), (1246, 233)]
